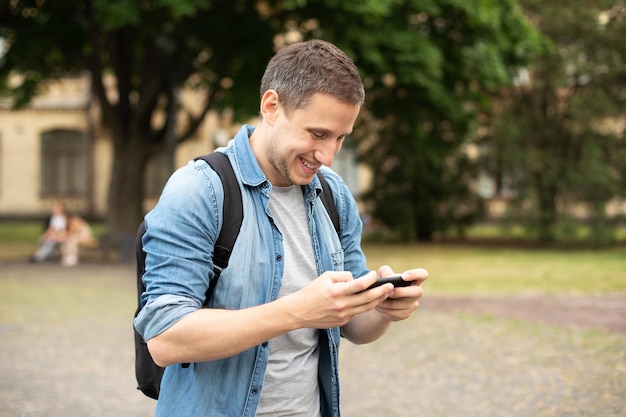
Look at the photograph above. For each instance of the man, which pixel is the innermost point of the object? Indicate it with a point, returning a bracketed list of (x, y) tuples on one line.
[(268, 343)]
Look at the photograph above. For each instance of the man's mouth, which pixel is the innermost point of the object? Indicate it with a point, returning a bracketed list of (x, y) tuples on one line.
[(308, 165)]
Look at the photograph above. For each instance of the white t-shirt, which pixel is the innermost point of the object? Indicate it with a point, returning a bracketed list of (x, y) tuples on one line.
[(58, 222), (291, 385)]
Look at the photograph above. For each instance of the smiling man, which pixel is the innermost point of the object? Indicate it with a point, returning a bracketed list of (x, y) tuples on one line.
[(267, 344)]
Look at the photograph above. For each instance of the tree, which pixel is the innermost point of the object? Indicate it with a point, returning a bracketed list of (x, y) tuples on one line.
[(427, 66), (149, 48), (567, 139), (464, 51)]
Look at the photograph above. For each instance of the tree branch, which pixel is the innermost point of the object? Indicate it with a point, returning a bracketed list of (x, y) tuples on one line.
[(195, 121)]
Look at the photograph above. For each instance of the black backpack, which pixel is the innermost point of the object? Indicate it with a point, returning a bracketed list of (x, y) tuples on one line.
[(147, 372)]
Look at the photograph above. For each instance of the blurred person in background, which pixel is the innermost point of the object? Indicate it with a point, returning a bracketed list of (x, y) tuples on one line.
[(53, 235), (78, 233)]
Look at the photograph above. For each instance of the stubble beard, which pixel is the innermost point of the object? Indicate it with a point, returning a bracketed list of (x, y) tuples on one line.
[(278, 163)]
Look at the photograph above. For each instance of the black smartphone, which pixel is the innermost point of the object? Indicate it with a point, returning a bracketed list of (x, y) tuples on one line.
[(396, 280)]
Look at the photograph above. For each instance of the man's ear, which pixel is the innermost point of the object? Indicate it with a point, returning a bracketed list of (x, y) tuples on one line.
[(270, 103)]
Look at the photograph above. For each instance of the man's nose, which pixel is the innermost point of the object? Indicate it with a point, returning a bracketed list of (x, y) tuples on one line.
[(326, 152)]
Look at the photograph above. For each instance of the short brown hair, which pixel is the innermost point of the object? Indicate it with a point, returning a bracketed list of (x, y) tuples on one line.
[(300, 70)]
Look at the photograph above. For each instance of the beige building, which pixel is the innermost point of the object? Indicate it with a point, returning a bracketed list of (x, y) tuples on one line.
[(45, 154), (56, 148)]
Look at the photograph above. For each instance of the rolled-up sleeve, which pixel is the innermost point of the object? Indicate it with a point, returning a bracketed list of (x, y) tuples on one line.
[(161, 314)]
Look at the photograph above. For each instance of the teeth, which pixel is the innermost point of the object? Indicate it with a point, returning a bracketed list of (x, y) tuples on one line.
[(309, 166)]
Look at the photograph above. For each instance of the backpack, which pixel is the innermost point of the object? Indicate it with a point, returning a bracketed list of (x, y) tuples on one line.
[(148, 373)]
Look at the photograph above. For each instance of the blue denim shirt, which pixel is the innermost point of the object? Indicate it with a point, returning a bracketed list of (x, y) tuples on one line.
[(181, 231)]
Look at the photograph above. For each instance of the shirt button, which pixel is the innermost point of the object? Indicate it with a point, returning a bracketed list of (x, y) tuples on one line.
[(279, 258), (255, 391)]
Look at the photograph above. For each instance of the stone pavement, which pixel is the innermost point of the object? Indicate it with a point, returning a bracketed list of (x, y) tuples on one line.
[(72, 355)]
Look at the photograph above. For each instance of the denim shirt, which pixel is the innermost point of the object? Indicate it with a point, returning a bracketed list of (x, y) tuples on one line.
[(181, 231)]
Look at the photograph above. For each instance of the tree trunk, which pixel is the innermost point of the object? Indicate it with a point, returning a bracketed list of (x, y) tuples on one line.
[(547, 214), (126, 193), (423, 218)]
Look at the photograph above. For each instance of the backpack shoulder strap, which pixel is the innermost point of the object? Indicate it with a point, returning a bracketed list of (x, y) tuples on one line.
[(232, 215), (140, 255), (327, 199)]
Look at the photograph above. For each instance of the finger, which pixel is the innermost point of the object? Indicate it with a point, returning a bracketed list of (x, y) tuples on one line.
[(413, 291), (362, 283), (384, 271), (399, 309), (418, 274)]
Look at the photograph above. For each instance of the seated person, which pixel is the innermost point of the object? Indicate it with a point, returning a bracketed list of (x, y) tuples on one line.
[(78, 232), (53, 235)]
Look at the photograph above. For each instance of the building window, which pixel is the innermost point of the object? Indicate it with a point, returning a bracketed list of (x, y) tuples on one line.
[(63, 163)]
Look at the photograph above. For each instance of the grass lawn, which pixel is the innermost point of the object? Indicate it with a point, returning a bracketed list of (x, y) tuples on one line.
[(454, 269), (467, 269)]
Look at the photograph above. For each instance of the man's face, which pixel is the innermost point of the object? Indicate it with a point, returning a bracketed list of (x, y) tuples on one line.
[(299, 143)]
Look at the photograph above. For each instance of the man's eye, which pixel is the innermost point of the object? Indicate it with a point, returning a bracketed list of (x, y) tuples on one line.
[(317, 135)]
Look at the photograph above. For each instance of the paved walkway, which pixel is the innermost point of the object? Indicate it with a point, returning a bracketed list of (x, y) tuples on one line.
[(66, 350)]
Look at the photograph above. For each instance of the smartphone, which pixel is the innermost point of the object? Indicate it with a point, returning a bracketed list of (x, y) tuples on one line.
[(396, 280)]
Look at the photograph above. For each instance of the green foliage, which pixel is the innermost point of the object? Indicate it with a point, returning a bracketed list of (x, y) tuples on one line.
[(428, 65), (27, 29), (430, 68), (558, 134), (150, 49)]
